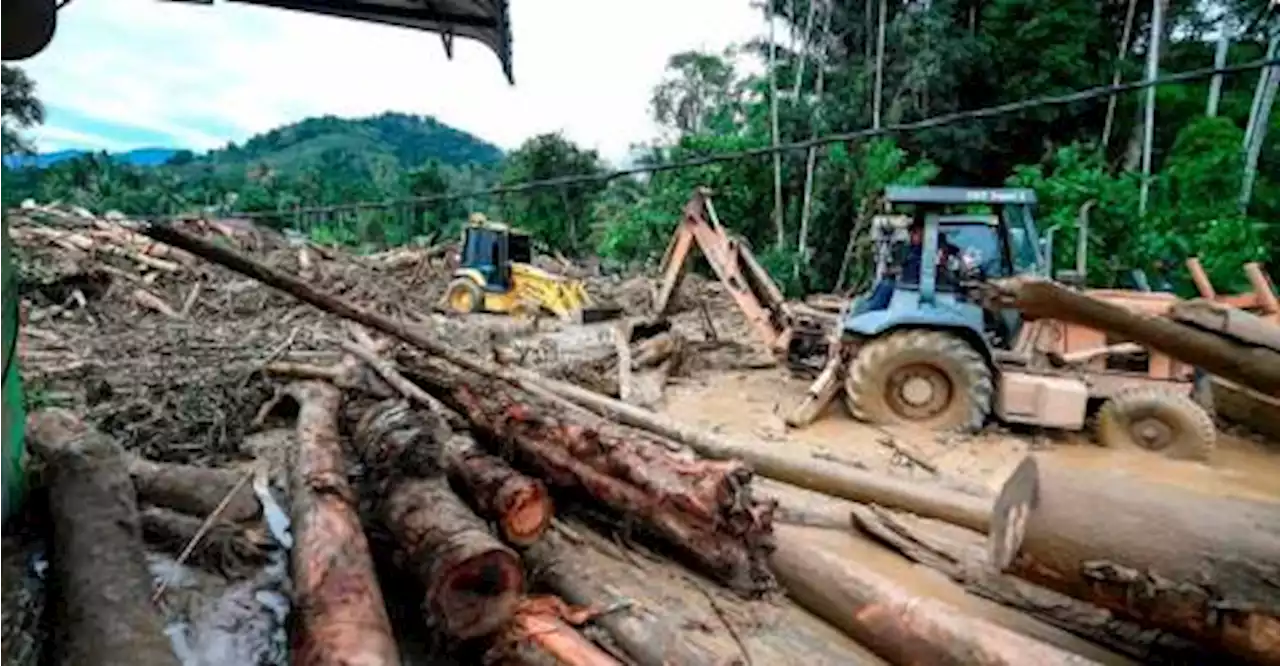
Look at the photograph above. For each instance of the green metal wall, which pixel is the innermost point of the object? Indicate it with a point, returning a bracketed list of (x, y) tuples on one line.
[(14, 416)]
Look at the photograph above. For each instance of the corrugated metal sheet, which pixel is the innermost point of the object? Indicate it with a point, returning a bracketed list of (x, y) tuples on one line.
[(485, 21)]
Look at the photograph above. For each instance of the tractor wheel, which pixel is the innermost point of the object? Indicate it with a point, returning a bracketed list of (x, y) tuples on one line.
[(926, 378), (463, 296), (1157, 420)]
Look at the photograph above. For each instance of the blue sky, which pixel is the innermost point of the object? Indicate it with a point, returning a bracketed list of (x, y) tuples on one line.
[(123, 74)]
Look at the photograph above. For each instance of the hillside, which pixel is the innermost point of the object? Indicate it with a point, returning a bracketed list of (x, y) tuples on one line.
[(136, 157), (410, 140)]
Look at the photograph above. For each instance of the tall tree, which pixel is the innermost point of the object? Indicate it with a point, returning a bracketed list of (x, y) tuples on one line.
[(22, 109), (557, 216)]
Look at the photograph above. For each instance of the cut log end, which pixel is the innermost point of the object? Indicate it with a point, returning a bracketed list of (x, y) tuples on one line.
[(478, 596), (1009, 514), (526, 513)]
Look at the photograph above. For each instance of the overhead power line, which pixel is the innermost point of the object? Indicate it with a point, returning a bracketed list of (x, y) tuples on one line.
[(763, 151)]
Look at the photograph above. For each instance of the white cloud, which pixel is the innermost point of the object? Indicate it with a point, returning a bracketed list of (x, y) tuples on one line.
[(206, 75), (51, 139)]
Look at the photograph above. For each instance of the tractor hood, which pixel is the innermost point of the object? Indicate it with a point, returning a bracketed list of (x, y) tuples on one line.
[(485, 21)]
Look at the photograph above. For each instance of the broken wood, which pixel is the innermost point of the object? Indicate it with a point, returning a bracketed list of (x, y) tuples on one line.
[(960, 554), (622, 342), (1254, 367), (541, 634), (103, 606), (705, 508), (192, 489), (472, 581), (149, 300), (339, 613), (520, 505), (225, 548), (847, 483), (898, 626), (1203, 567)]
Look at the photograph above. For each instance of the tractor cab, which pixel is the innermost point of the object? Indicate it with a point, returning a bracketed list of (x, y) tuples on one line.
[(489, 249), (931, 244)]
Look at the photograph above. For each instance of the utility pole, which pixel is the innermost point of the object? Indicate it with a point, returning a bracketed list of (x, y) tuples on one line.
[(779, 232), (1149, 124), (879, 91), (1219, 61), (1115, 77), (1260, 115)]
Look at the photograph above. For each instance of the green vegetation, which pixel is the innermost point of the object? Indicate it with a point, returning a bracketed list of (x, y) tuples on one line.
[(940, 57)]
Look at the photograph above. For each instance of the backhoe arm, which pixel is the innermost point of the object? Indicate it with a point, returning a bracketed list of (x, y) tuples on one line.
[(750, 285)]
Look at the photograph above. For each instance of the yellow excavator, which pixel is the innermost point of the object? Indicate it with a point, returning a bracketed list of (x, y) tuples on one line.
[(496, 274)]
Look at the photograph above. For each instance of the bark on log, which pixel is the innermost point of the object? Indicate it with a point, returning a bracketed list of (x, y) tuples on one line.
[(961, 555), (340, 616), (705, 508), (1205, 568), (473, 582), (896, 625), (225, 548), (541, 634), (1231, 322), (1254, 367), (520, 505), (103, 587), (838, 481), (193, 490)]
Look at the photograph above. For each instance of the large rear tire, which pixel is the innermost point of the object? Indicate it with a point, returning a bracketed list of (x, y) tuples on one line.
[(463, 296), (1157, 420), (925, 378)]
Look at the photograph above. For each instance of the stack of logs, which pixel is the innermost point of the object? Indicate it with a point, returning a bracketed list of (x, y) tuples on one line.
[(451, 444)]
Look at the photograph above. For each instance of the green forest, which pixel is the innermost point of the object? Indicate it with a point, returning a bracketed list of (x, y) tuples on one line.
[(939, 57)]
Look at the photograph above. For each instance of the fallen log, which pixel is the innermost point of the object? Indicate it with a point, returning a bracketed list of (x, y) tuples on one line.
[(960, 554), (838, 481), (704, 508), (1254, 367), (103, 605), (898, 626), (541, 634), (473, 582), (193, 490), (1206, 568), (1231, 322), (224, 548), (340, 617), (520, 505)]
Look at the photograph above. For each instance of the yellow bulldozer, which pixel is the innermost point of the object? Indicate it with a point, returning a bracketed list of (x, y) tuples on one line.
[(496, 274)]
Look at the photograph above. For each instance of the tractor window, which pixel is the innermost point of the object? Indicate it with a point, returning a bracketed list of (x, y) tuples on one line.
[(476, 249), (1022, 241), (979, 246), (519, 250)]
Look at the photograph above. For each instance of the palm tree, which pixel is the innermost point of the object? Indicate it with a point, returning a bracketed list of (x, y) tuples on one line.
[(21, 109)]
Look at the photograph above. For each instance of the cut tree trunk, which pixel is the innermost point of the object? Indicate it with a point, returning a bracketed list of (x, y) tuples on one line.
[(541, 634), (1203, 567), (838, 481), (473, 582), (340, 617), (703, 507), (224, 548), (898, 626), (520, 505), (961, 555), (1233, 323), (102, 586), (193, 490), (1253, 367)]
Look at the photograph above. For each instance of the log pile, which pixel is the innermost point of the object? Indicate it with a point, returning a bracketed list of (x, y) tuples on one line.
[(538, 521)]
